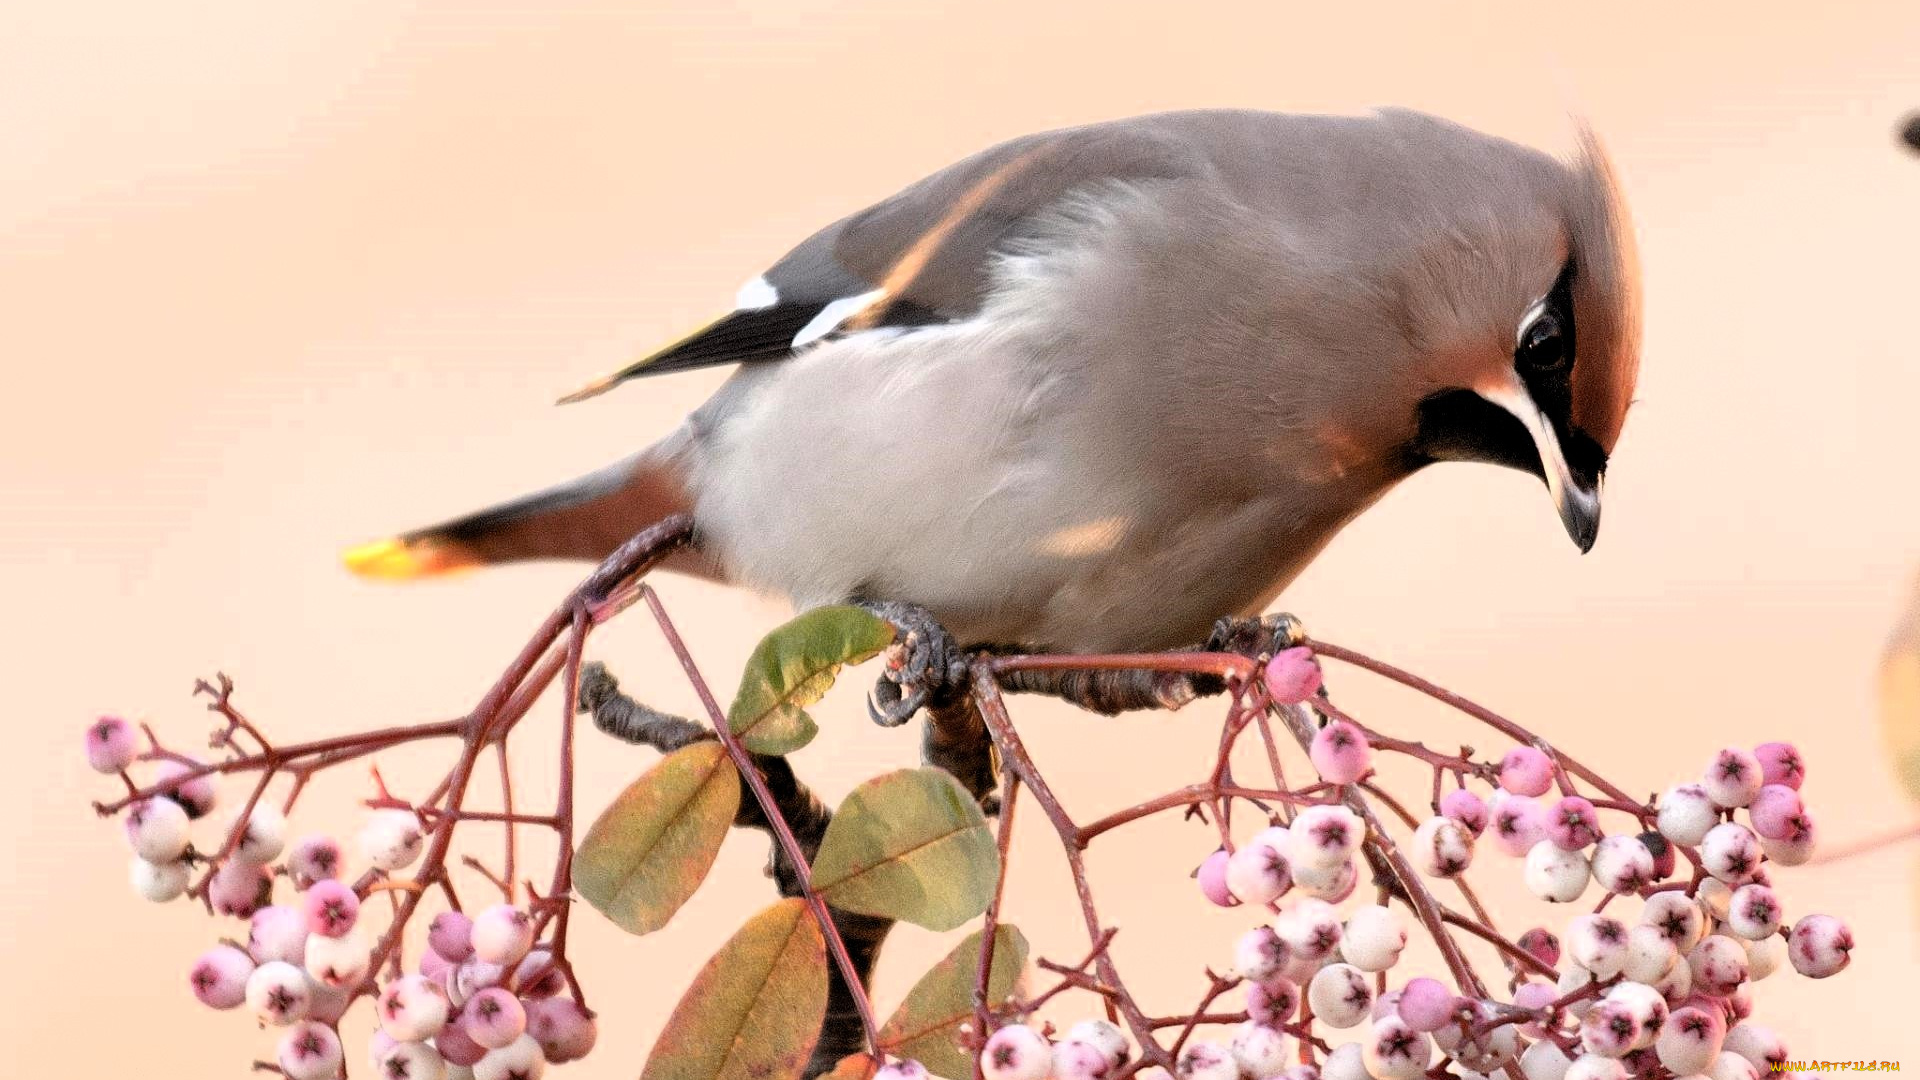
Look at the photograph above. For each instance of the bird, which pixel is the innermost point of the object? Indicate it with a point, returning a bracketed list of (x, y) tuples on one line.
[(1091, 389)]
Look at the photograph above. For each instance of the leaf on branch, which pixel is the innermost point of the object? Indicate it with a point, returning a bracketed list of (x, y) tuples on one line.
[(792, 667), (754, 1012), (909, 845), (1900, 697), (654, 844), (926, 1027)]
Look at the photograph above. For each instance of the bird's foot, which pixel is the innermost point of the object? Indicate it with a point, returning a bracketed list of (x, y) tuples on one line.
[(1257, 638), (924, 666)]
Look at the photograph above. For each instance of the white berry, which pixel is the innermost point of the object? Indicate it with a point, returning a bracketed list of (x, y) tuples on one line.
[(392, 839), (1339, 996), (158, 882), (1556, 875), (278, 993)]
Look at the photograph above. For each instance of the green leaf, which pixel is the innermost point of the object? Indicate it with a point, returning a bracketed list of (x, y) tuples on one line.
[(792, 667), (909, 845), (654, 844), (754, 1012), (926, 1027)]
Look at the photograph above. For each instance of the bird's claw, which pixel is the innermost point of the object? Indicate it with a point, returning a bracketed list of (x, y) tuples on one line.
[(923, 665)]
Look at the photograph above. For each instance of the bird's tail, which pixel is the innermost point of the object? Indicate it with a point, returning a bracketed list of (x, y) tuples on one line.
[(584, 519)]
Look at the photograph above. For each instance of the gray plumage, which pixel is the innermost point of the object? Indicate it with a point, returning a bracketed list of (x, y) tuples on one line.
[(1093, 389)]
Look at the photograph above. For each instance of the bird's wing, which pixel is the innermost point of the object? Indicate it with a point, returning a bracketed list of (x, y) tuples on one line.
[(922, 256)]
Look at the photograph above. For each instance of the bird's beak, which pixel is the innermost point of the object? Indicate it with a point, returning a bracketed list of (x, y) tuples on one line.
[(1577, 500)]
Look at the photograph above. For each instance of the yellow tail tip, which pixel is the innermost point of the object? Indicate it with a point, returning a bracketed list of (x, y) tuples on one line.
[(395, 559)]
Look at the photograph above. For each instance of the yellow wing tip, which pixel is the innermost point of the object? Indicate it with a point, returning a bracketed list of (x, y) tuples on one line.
[(395, 559)]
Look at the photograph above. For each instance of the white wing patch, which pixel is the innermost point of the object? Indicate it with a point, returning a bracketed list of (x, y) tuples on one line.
[(756, 295), (834, 314)]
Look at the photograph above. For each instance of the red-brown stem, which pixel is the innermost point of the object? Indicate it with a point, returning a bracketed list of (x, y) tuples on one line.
[(751, 774), (506, 805), (993, 712), (990, 924), (1190, 795)]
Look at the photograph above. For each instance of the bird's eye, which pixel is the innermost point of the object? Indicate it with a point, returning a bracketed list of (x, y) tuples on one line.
[(1543, 345)]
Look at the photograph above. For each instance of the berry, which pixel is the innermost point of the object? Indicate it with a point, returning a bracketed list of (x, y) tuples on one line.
[(1427, 1005), (1340, 753), (412, 1008), (1339, 996), (1797, 846), (502, 934), (1730, 852), (1273, 1002), (1394, 1051), (196, 796), (263, 837), (1544, 1061), (1259, 1050), (409, 1061), (1259, 954), (1733, 779), (1733, 1067), (1017, 1052), (470, 977), (1540, 944), (1199, 1059), (1622, 864), (158, 882), (1441, 847), (1332, 884), (313, 859), (1598, 943), (1649, 1009), (457, 1046), (158, 829), (278, 933), (1718, 965), (1573, 824), (1715, 897), (1526, 771), (1466, 808), (562, 1028), (219, 977), (906, 1069), (1609, 1029), (1293, 676), (329, 1003), (1212, 876), (1373, 938), (1345, 1063), (310, 1051), (1772, 811), (1780, 764), (1596, 1067), (1518, 824), (1322, 837), (339, 962), (1310, 928), (1758, 1045), (1754, 912), (1258, 874), (331, 908), (1662, 850), (1555, 874), (1077, 1060), (278, 993), (538, 976), (1764, 957), (1685, 814), (1820, 946), (493, 1018), (1102, 1036), (392, 839), (112, 745), (1650, 954), (240, 888), (451, 935)]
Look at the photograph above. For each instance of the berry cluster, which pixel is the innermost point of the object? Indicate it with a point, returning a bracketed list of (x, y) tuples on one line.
[(487, 998)]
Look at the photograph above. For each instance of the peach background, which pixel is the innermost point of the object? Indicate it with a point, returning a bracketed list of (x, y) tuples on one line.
[(276, 278)]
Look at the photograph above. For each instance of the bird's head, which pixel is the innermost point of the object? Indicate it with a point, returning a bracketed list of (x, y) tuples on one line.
[(1528, 327)]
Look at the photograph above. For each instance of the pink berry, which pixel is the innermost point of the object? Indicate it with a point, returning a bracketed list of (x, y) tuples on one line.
[(331, 908), (219, 977), (1427, 1005), (1340, 753), (1731, 853), (278, 994), (907, 1069), (564, 1030), (1573, 824), (412, 1008), (1466, 808), (451, 935), (1394, 1051), (1622, 864), (312, 859), (1820, 946), (1663, 857), (1690, 1040), (278, 933), (1780, 764), (471, 976), (112, 745), (1518, 824), (1310, 928), (240, 888), (196, 796), (1322, 837), (1258, 874), (1796, 847), (1259, 955), (457, 1046), (1538, 996), (1772, 811), (310, 1051), (1273, 1002), (1293, 676), (436, 967), (1077, 1060), (493, 1018), (1609, 1029), (538, 976), (1526, 771), (1734, 777), (1754, 912), (1017, 1052), (1719, 966), (1540, 944), (1213, 879), (502, 934), (1598, 943)]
